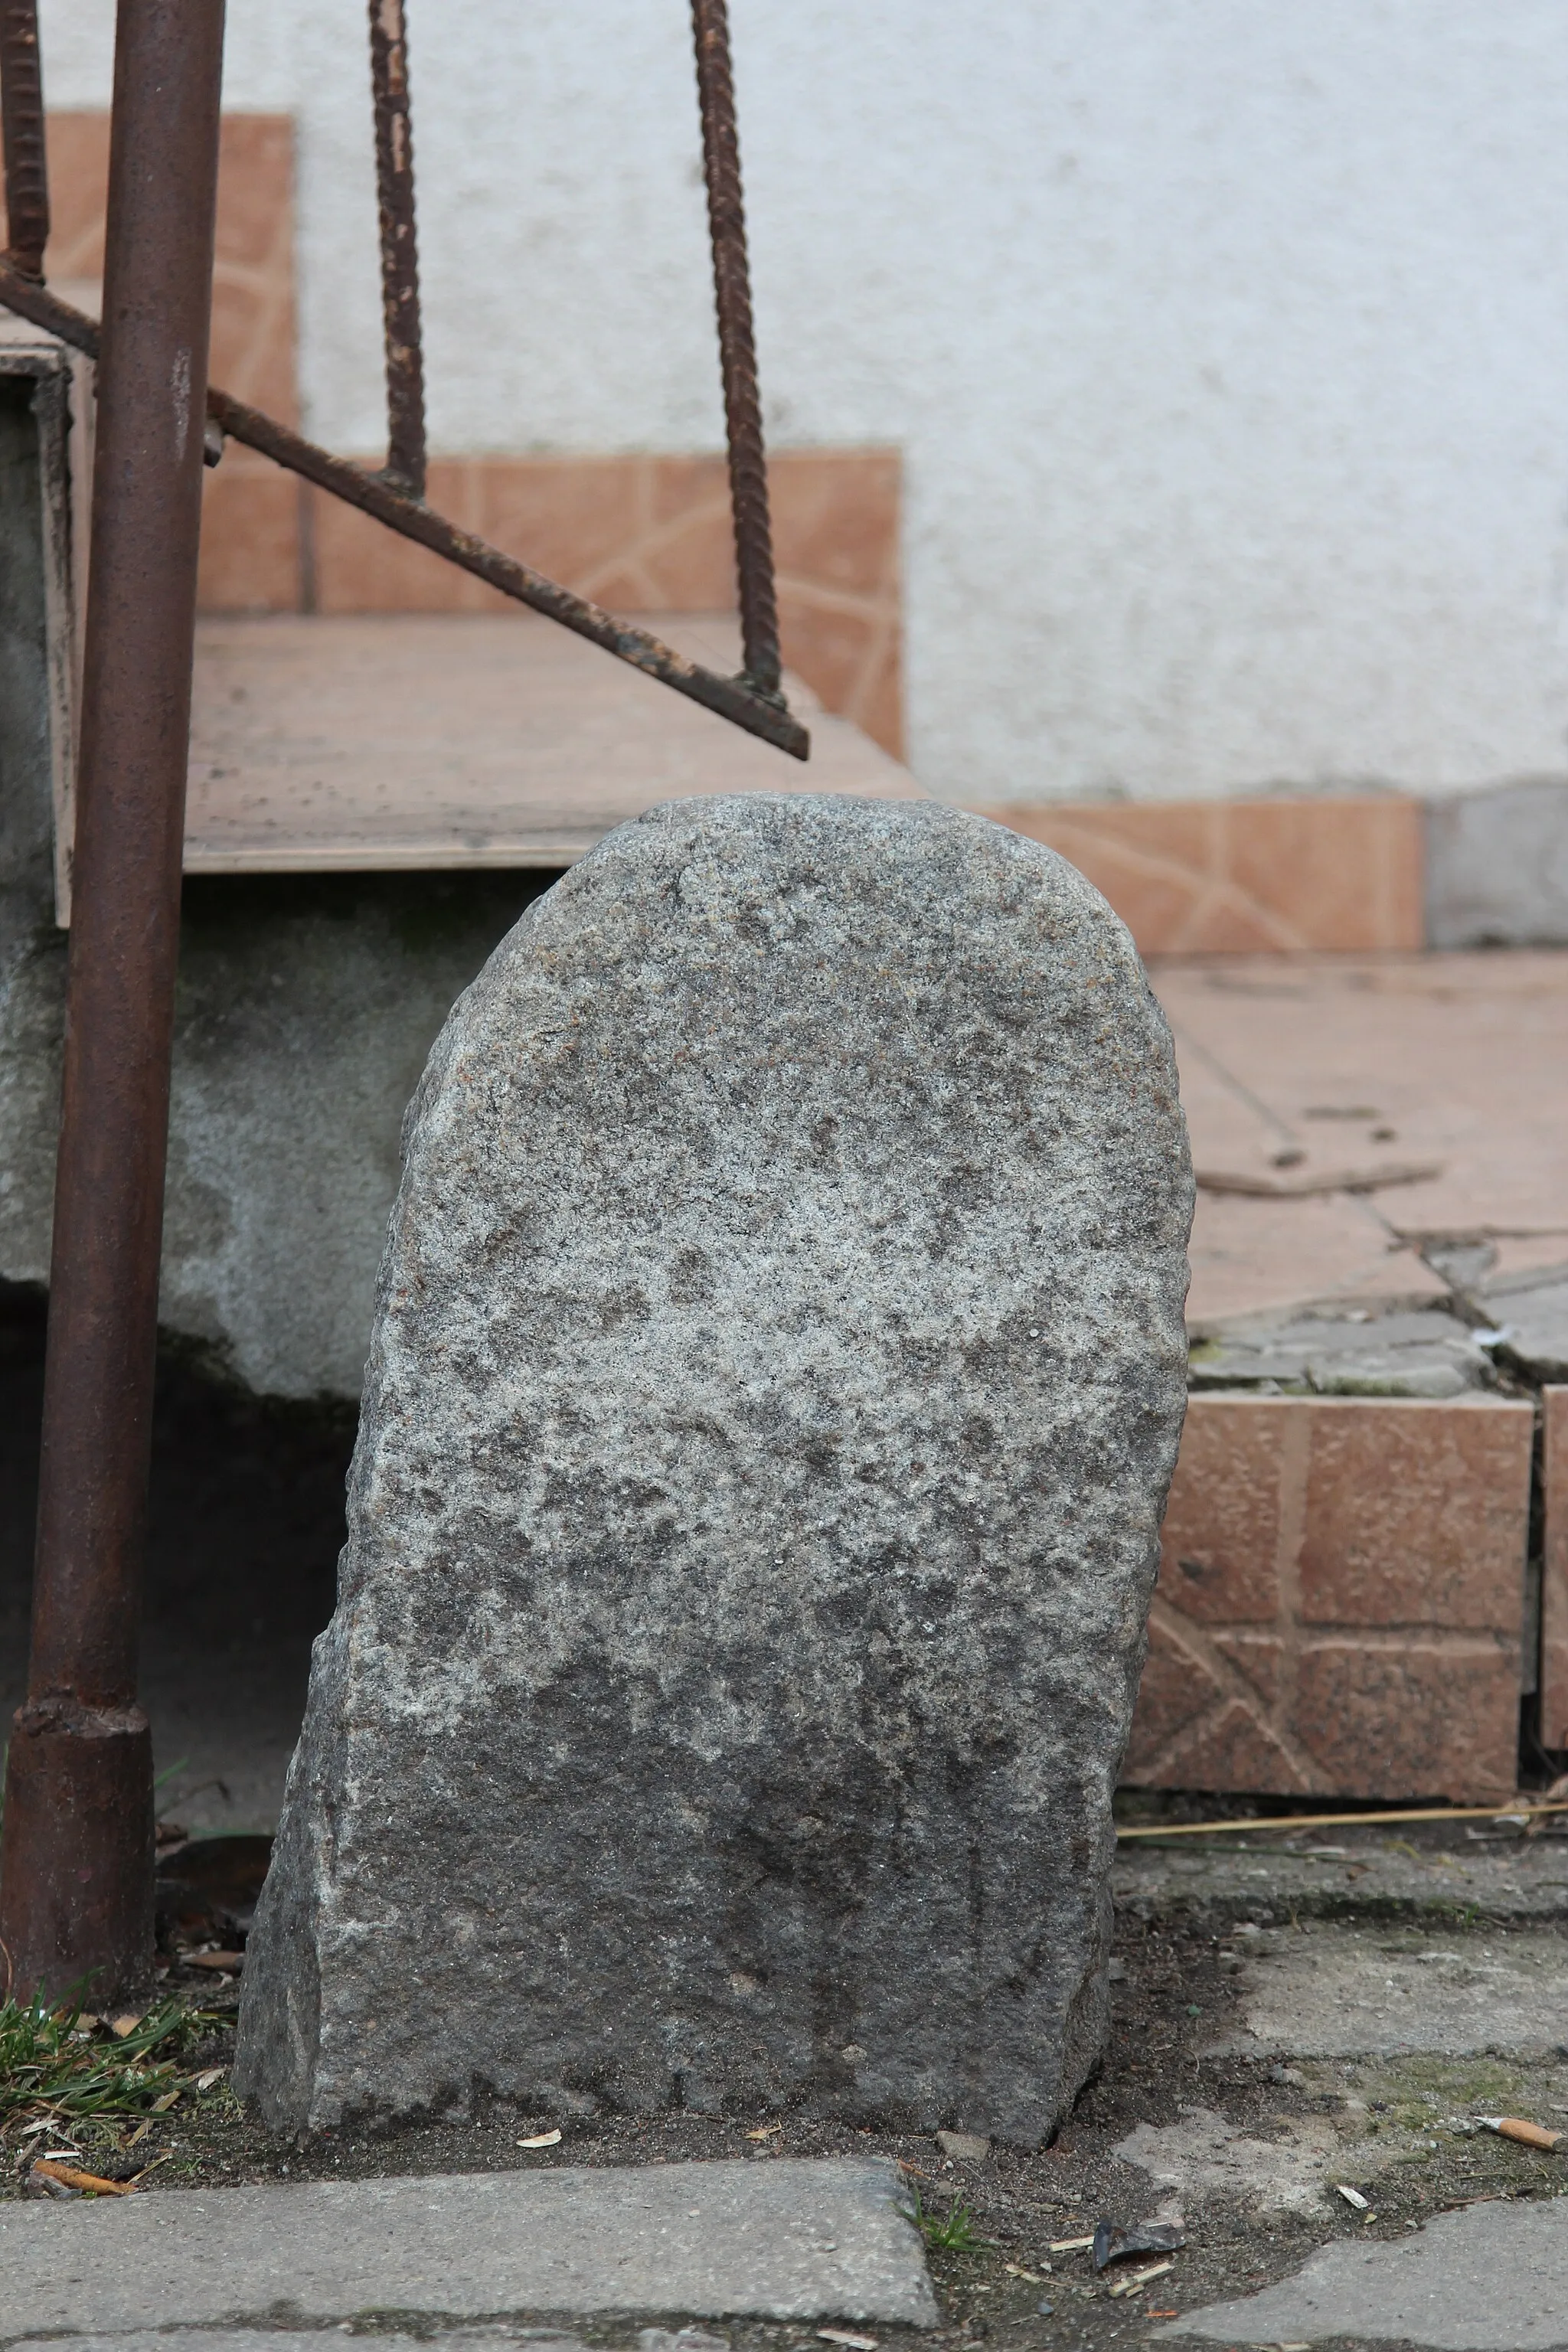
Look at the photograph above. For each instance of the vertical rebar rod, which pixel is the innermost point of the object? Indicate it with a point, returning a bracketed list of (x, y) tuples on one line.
[(399, 247), (22, 126), (737, 348), (76, 1861)]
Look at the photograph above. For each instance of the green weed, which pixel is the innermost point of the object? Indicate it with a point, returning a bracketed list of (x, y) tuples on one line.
[(54, 2062), (952, 2231)]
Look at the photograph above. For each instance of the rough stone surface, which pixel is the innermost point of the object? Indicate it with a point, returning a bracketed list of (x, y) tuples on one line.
[(793, 2239), (1492, 2279), (776, 1378)]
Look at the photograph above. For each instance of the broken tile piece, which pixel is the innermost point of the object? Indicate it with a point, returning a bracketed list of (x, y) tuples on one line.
[(1428, 1353)]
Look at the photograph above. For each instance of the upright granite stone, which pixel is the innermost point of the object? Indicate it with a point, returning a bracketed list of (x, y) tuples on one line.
[(776, 1376)]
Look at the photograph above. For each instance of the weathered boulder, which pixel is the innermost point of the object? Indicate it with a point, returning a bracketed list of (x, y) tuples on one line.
[(776, 1376)]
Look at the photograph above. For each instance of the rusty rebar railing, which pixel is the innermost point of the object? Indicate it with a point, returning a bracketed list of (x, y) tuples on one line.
[(751, 700), (76, 1856)]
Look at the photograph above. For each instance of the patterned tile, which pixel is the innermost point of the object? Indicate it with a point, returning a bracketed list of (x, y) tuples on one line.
[(1340, 1600), (1276, 875), (652, 533), (253, 345)]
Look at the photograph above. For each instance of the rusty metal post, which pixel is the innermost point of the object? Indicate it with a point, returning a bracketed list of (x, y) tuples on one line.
[(76, 1859), (22, 125), (399, 247), (737, 348)]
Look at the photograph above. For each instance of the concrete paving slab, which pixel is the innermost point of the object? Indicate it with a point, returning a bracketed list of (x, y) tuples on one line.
[(1321, 1874), (1427, 1353), (1355, 1991), (285, 2340), (1532, 1311), (1203, 2155), (1493, 2278), (783, 2238)]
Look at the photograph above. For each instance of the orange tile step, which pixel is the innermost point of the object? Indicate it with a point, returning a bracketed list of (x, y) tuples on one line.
[(1341, 1596)]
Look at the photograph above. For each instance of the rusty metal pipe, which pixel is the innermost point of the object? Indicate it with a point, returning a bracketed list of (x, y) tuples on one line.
[(737, 348), (22, 127), (732, 699), (399, 247), (76, 1865)]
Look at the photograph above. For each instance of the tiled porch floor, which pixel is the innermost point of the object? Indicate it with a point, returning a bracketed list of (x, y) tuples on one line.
[(1349, 1605), (1297, 1071)]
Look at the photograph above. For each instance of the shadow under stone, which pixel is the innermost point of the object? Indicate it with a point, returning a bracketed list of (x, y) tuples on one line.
[(245, 1524)]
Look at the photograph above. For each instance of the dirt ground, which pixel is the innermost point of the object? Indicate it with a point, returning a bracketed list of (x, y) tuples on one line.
[(257, 1487), (1401, 2130)]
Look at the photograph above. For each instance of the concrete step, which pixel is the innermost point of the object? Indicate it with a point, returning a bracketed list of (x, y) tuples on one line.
[(786, 2239)]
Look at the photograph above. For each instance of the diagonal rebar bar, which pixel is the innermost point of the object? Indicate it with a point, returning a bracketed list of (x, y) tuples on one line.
[(732, 698)]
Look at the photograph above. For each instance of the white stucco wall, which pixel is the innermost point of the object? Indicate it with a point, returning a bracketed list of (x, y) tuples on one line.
[(1227, 341)]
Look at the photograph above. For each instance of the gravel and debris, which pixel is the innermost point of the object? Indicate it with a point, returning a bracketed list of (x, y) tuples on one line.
[(1242, 2152)]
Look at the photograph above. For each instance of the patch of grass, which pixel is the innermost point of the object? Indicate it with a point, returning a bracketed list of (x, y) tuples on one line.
[(953, 2233), (1461, 2086), (57, 2064)]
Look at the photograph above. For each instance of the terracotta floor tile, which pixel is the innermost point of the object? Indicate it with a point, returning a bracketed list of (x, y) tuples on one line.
[(250, 538), (1529, 1253), (254, 333), (1251, 1256), (654, 533), (430, 740), (1177, 1687), (1342, 873), (1419, 1717), (1221, 1535), (1350, 1066), (836, 517), (1413, 1516), (1339, 1599)]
